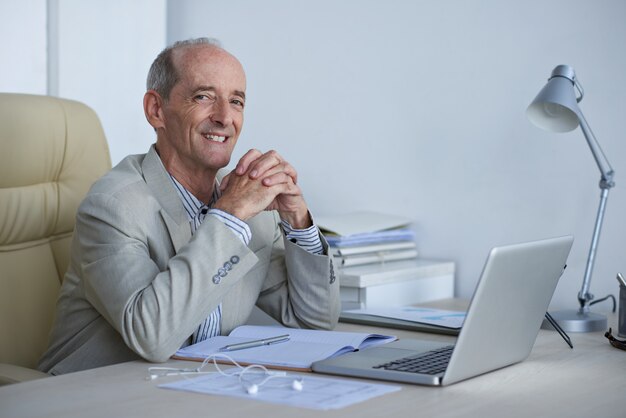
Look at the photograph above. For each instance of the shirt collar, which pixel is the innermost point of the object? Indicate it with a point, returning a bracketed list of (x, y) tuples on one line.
[(193, 205)]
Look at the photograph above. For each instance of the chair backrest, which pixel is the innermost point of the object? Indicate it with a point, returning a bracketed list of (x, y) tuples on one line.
[(51, 152)]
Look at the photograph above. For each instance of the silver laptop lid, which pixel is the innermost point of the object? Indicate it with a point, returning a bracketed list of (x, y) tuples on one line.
[(515, 289)]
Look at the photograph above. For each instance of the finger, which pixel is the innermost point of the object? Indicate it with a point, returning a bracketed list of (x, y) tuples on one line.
[(293, 190), (284, 185), (245, 161), (279, 174), (263, 164), (224, 182), (291, 172), (277, 178)]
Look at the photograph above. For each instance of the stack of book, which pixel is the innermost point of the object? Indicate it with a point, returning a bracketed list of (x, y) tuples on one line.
[(374, 248), (366, 238)]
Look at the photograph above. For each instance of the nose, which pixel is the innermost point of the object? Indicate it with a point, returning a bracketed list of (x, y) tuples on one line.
[(221, 113)]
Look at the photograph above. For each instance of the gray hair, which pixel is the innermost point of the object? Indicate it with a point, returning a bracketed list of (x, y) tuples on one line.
[(163, 74)]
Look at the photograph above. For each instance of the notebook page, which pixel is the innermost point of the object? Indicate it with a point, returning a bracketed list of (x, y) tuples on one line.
[(335, 338), (302, 349)]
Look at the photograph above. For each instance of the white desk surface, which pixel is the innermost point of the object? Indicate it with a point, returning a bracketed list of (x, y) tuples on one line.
[(555, 381)]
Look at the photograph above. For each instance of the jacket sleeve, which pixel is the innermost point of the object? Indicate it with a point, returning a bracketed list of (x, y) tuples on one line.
[(301, 289), (154, 307)]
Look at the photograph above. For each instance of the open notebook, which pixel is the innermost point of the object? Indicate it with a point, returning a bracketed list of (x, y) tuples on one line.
[(298, 353)]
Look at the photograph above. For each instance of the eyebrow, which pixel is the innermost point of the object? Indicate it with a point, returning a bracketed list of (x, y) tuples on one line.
[(239, 93)]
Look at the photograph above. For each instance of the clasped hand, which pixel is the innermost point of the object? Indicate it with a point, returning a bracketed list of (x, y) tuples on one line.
[(264, 181)]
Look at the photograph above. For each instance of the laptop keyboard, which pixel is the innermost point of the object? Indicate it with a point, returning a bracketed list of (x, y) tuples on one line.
[(430, 362)]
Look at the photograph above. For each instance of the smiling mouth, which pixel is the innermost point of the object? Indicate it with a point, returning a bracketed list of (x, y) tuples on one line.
[(215, 138)]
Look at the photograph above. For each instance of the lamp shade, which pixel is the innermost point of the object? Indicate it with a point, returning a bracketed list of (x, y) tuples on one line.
[(555, 108)]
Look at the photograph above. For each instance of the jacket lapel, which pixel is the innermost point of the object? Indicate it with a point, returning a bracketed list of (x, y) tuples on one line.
[(172, 212)]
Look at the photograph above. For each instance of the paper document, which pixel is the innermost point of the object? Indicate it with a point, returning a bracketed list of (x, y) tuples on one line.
[(374, 248), (382, 257), (438, 317), (317, 392), (360, 222), (304, 346), (369, 238)]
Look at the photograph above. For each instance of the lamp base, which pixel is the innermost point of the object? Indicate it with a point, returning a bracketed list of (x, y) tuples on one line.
[(577, 321)]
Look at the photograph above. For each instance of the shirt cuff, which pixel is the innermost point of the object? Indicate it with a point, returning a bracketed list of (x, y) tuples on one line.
[(239, 227), (308, 239)]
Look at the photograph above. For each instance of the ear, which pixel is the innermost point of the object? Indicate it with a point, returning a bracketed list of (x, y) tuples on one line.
[(153, 109)]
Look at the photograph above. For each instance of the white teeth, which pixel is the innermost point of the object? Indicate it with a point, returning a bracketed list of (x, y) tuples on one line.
[(215, 138)]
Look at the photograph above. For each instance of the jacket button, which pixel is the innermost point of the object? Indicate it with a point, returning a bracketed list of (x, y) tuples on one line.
[(228, 266), (332, 272), (222, 272), (217, 279), (234, 259)]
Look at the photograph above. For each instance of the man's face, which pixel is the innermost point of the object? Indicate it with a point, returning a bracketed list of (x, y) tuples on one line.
[(204, 114)]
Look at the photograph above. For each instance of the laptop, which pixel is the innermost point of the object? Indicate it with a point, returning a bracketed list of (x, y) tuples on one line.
[(502, 323)]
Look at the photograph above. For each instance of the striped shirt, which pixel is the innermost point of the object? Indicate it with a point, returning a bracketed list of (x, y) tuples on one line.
[(197, 211)]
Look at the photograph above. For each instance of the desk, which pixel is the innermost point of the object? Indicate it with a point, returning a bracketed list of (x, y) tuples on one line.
[(589, 381)]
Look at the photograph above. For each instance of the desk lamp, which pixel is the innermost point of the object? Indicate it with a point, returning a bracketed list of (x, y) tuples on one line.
[(556, 109)]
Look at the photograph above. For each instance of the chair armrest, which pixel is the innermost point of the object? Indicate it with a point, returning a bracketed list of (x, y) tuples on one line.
[(10, 373)]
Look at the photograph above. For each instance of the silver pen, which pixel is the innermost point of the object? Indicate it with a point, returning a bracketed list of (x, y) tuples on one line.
[(256, 343), (621, 280)]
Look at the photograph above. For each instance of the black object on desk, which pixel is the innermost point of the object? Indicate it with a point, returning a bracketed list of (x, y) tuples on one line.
[(560, 330)]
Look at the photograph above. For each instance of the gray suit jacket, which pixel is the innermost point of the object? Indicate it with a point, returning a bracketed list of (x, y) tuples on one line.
[(139, 284)]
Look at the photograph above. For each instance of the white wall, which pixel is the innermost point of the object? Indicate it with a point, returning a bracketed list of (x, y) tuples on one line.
[(23, 46), (418, 108), (105, 48)]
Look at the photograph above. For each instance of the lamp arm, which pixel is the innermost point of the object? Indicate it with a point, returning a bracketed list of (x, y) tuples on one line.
[(606, 171), (584, 297), (606, 182)]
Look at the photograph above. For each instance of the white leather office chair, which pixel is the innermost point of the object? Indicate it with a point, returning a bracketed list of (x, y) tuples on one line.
[(51, 152)]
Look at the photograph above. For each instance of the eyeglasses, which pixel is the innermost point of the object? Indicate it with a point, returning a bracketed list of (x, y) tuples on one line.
[(621, 344)]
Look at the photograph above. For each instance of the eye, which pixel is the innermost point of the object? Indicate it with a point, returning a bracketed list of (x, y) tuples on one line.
[(238, 103), (203, 97)]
